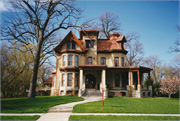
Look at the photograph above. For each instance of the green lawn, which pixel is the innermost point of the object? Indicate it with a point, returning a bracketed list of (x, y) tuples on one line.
[(40, 104), (125, 118), (160, 105), (19, 118)]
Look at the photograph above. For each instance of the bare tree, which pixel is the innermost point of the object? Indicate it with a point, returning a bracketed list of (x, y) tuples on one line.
[(135, 53), (154, 63), (176, 47), (36, 23), (108, 23)]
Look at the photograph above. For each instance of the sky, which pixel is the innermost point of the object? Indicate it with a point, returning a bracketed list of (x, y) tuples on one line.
[(154, 21)]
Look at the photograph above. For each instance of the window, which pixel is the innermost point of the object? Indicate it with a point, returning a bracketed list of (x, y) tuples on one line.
[(76, 80), (89, 44), (116, 61), (122, 61), (117, 84), (68, 45), (76, 60), (73, 44), (70, 60), (54, 80), (92, 44), (64, 60), (63, 79), (69, 80), (103, 61), (89, 61)]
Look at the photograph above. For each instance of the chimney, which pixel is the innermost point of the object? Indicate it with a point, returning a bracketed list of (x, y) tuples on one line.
[(114, 36)]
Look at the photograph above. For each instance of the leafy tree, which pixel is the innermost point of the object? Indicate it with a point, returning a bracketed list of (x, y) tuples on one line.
[(169, 86), (37, 23), (15, 71)]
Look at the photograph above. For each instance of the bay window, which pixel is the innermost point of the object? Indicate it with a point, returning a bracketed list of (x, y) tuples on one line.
[(69, 79), (70, 60)]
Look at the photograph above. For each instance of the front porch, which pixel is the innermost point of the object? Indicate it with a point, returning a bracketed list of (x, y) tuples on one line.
[(127, 81)]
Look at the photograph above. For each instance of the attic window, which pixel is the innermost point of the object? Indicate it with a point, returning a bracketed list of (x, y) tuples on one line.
[(68, 45), (73, 44)]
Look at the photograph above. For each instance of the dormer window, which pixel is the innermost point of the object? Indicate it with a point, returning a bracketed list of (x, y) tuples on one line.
[(73, 45), (89, 44), (68, 45)]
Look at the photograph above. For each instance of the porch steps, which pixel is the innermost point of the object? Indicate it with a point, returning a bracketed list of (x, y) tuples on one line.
[(91, 94)]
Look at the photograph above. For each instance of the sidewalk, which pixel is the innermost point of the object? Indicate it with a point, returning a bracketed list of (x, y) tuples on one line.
[(63, 111)]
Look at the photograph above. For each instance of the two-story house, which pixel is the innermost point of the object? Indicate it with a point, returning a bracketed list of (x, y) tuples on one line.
[(92, 63)]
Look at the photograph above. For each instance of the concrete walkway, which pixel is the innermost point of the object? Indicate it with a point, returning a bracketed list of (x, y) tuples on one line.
[(63, 111)]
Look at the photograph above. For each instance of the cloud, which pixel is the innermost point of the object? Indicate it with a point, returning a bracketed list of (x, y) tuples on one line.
[(4, 6)]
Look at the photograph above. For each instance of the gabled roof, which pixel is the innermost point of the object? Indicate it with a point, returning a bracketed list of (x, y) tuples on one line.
[(70, 36)]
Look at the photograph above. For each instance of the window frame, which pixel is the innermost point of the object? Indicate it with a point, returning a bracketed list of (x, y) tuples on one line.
[(76, 62), (69, 80), (88, 61), (115, 61), (63, 84), (104, 60), (117, 80), (70, 61), (68, 45)]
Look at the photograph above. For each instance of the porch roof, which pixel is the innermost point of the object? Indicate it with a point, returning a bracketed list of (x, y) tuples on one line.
[(92, 67)]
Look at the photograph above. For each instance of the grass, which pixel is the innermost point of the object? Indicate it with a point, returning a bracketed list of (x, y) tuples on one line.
[(125, 118), (40, 104), (131, 105), (19, 118)]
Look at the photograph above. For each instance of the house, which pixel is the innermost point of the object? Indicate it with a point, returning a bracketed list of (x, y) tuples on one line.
[(92, 63)]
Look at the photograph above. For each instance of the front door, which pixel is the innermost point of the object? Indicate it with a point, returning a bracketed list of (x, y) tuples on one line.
[(90, 81)]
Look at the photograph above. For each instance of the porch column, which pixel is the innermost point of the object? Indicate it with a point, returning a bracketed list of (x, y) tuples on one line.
[(138, 77), (130, 80), (150, 87), (80, 83)]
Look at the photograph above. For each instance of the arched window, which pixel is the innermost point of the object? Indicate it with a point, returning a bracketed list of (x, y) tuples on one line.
[(103, 61), (116, 61), (89, 60)]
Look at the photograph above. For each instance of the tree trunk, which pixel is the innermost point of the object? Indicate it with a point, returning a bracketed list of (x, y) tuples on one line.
[(169, 95), (32, 89)]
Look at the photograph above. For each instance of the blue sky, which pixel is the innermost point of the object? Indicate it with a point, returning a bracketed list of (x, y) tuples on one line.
[(154, 21)]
